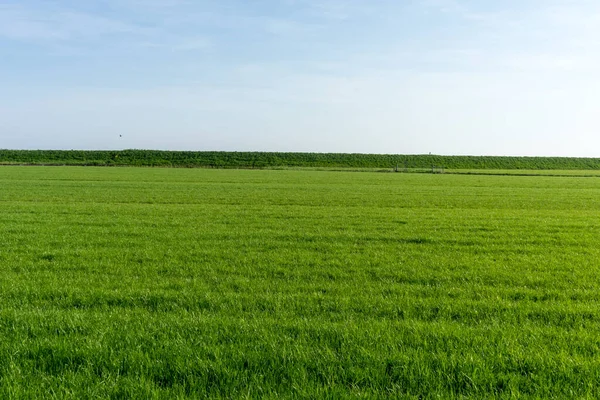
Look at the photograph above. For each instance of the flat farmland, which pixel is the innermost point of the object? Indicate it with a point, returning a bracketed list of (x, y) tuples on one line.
[(192, 283)]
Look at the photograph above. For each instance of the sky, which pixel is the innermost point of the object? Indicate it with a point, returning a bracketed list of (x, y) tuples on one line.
[(464, 77)]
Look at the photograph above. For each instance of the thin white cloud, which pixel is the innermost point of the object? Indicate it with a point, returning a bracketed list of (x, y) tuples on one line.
[(529, 36), (26, 23), (76, 31)]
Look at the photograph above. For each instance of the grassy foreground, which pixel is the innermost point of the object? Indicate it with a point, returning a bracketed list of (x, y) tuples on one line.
[(170, 283)]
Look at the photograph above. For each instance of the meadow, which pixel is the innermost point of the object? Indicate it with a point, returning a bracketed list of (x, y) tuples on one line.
[(158, 283)]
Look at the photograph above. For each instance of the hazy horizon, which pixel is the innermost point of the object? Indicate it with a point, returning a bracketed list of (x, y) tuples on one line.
[(451, 77)]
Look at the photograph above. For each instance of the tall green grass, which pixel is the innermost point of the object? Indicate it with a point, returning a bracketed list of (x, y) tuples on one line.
[(186, 283), (261, 160)]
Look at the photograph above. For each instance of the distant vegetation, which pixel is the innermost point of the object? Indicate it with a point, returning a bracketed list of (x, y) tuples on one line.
[(215, 159)]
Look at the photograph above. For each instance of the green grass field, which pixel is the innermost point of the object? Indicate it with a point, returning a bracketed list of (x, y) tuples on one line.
[(188, 283), (521, 172)]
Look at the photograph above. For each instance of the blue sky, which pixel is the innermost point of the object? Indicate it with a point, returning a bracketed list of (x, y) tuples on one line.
[(379, 76)]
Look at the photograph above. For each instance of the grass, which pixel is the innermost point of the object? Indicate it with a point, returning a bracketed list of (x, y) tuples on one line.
[(263, 160), (524, 172), (186, 283)]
